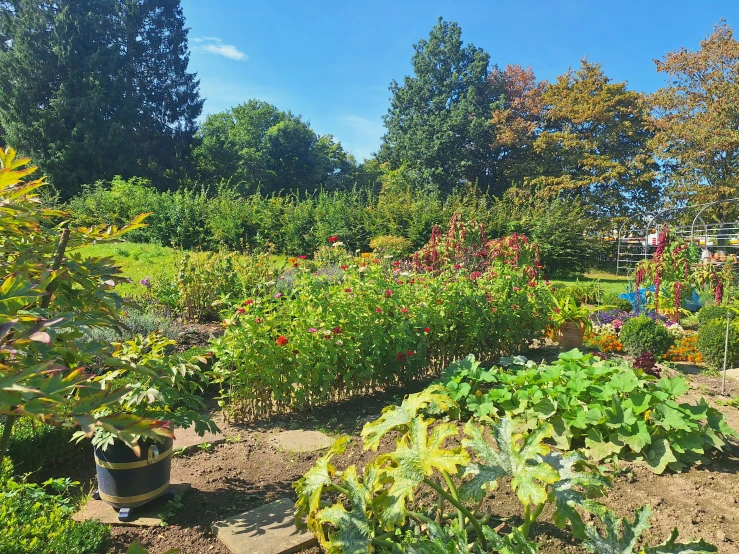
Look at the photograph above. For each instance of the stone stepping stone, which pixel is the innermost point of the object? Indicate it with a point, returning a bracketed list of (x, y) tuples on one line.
[(143, 516), (188, 440), (301, 442), (269, 529)]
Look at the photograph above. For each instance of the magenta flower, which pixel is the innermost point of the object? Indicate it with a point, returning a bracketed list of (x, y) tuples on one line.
[(278, 295), (312, 330)]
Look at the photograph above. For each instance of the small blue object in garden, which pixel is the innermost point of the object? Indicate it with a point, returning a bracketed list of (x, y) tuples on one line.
[(692, 303)]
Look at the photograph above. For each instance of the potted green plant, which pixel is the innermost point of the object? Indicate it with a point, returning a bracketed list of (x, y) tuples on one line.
[(570, 321), (157, 385)]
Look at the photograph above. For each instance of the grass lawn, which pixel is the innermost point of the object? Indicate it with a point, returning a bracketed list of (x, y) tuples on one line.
[(610, 283), (137, 261)]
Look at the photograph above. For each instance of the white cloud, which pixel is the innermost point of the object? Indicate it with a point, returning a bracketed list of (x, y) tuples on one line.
[(214, 45), (361, 135)]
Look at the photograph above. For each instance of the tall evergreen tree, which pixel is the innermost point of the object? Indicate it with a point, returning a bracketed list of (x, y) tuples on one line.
[(439, 119), (95, 88)]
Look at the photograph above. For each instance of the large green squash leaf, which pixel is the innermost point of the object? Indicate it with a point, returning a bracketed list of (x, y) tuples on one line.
[(517, 456), (353, 532), (616, 540), (575, 488), (416, 457), (310, 486), (671, 547), (396, 417)]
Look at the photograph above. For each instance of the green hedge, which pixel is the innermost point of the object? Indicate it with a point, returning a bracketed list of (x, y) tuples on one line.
[(643, 334), (712, 340)]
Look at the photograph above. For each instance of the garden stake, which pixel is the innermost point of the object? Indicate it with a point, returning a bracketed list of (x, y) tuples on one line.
[(726, 353)]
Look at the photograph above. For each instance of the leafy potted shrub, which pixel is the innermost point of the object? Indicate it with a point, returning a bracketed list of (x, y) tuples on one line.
[(570, 322), (164, 387), (51, 294)]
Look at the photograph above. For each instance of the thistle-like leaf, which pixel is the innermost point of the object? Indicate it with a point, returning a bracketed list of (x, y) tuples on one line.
[(518, 456), (575, 488), (416, 457), (353, 533), (398, 417), (310, 486), (616, 540), (671, 547)]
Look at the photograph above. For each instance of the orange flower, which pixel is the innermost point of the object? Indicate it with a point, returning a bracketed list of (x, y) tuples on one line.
[(282, 340)]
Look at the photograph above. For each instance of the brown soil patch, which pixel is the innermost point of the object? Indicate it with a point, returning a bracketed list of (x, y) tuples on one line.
[(236, 476)]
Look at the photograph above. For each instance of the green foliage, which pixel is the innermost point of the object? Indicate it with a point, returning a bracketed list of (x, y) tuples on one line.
[(257, 146), (96, 88), (390, 245), (608, 408), (329, 333), (712, 342), (39, 522), (36, 446), (565, 309), (378, 510), (168, 390), (644, 334), (49, 296), (203, 285), (710, 312)]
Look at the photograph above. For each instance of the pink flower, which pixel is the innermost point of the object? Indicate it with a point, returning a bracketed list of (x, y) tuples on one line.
[(312, 330), (378, 310), (388, 293), (278, 295)]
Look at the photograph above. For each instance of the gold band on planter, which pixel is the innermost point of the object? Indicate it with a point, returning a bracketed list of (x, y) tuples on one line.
[(131, 465), (133, 499)]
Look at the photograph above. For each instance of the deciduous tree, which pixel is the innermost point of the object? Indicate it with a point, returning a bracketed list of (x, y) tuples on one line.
[(697, 116), (594, 144)]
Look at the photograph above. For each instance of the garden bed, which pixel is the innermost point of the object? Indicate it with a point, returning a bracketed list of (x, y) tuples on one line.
[(237, 476)]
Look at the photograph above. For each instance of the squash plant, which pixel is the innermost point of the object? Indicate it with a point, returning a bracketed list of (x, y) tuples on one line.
[(428, 494), (608, 408), (49, 295)]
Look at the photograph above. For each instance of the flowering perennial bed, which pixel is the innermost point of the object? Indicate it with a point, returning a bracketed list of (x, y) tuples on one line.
[(351, 326)]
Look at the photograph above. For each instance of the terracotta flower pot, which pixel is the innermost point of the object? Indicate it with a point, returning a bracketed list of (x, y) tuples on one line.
[(570, 335)]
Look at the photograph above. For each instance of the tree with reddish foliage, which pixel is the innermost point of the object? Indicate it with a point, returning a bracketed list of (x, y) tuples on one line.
[(516, 123)]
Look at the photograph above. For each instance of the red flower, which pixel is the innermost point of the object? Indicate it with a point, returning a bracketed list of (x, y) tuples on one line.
[(514, 306), (457, 266), (259, 320), (337, 330), (388, 293), (427, 330), (295, 351), (516, 288), (493, 309), (282, 340), (400, 357), (344, 267), (296, 264), (240, 310), (333, 238), (247, 302), (557, 310), (396, 264), (347, 290), (404, 310), (303, 257), (378, 310), (475, 274), (409, 353)]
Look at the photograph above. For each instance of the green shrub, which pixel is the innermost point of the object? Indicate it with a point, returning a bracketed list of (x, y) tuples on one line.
[(39, 522), (390, 245), (712, 340), (34, 445), (616, 303), (709, 312), (643, 334)]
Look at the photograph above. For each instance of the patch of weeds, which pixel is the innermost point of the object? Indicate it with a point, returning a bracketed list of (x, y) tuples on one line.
[(233, 439), (170, 510), (178, 453), (732, 402), (205, 446)]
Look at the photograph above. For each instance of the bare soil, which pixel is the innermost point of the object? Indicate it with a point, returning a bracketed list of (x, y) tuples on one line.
[(236, 476)]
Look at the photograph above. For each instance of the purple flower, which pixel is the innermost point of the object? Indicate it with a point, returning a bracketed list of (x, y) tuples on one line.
[(145, 281), (312, 330), (278, 295)]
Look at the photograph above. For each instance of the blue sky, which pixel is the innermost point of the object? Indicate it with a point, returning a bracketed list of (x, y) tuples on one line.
[(332, 60)]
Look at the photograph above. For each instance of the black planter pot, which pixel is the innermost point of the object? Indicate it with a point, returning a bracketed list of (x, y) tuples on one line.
[(126, 480)]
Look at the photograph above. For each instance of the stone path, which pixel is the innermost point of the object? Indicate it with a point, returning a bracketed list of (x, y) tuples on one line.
[(301, 442), (269, 529), (188, 440), (144, 516)]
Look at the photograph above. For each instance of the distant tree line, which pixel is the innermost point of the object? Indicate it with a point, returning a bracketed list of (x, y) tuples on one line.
[(98, 88)]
